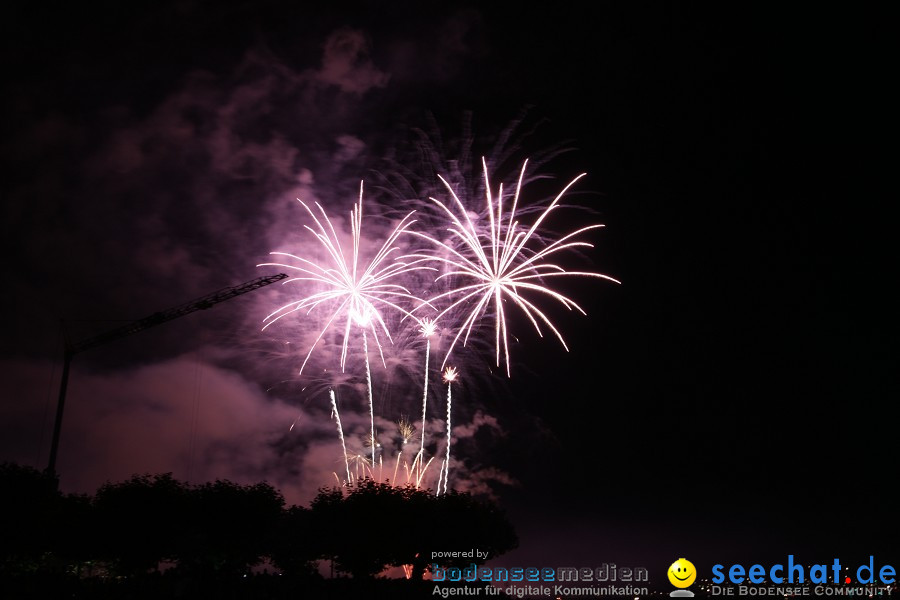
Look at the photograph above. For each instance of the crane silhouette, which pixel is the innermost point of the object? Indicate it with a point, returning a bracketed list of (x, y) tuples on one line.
[(157, 318)]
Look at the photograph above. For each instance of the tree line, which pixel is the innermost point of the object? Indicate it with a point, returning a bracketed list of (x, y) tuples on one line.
[(221, 530)]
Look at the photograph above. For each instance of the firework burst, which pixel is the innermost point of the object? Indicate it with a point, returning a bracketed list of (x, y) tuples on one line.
[(352, 292), (362, 465), (370, 441), (505, 260), (406, 430)]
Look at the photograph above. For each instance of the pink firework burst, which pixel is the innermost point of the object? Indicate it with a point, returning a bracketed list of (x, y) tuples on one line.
[(348, 290), (505, 260)]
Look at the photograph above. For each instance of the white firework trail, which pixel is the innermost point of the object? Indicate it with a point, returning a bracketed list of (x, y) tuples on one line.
[(427, 329), (501, 262), (449, 376), (440, 478), (396, 465), (422, 473), (291, 428), (337, 417), (369, 386)]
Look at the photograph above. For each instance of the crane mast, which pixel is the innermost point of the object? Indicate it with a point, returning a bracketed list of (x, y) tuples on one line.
[(153, 320)]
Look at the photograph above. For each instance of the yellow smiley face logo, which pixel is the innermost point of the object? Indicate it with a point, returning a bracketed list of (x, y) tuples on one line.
[(682, 573)]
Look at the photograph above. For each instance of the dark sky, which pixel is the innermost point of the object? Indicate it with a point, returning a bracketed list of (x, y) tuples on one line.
[(735, 396)]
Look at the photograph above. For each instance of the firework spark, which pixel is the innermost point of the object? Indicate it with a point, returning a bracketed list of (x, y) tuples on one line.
[(370, 440), (501, 262), (361, 461)]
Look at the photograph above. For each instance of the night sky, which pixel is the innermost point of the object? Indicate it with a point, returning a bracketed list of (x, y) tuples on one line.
[(734, 398)]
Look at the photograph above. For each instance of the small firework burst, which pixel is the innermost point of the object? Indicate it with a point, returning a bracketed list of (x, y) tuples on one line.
[(370, 440), (361, 466), (427, 327), (450, 374), (406, 430)]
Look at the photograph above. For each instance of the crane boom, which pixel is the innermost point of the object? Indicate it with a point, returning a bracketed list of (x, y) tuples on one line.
[(158, 318), (153, 320)]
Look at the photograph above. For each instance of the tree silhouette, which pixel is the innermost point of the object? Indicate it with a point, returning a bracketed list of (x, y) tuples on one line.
[(41, 529), (141, 522), (230, 527), (65, 545), (28, 498), (212, 528), (296, 543)]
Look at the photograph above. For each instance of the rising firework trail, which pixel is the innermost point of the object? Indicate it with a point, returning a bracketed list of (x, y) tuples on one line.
[(337, 416), (371, 403), (502, 261), (370, 440), (427, 329), (396, 466), (449, 377), (421, 472)]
